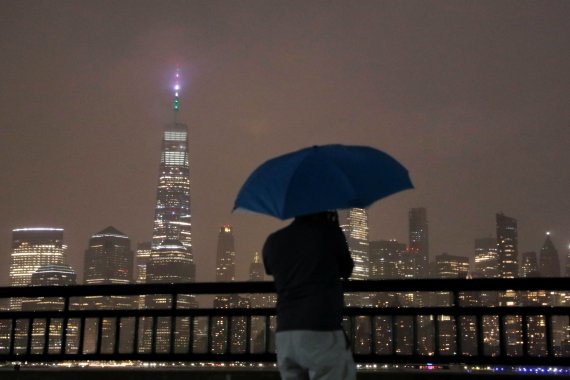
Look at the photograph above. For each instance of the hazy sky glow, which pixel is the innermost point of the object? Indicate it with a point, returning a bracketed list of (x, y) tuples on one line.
[(471, 96)]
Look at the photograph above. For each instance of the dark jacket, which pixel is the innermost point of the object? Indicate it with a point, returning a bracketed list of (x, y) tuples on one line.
[(307, 260)]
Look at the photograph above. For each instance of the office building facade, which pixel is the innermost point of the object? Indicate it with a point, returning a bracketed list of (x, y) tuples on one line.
[(419, 240), (33, 248)]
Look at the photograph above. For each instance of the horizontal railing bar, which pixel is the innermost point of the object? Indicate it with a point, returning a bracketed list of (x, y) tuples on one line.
[(390, 286), (348, 311)]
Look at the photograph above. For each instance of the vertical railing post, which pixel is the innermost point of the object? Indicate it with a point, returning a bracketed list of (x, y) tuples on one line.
[(99, 335), (136, 335), (372, 319), (229, 319), (502, 336), (548, 327), (64, 324), (436, 340), (248, 333), (153, 334), (12, 335), (30, 334), (480, 335), (117, 335), (415, 335), (81, 336), (457, 317), (173, 307), (191, 321), (267, 332), (524, 332)]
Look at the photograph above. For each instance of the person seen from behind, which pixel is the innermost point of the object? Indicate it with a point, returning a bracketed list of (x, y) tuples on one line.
[(307, 259)]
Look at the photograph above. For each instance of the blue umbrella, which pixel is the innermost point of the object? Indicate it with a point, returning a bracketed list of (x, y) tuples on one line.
[(321, 178)]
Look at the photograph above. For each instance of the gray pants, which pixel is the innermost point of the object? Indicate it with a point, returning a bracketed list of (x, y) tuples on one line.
[(314, 355)]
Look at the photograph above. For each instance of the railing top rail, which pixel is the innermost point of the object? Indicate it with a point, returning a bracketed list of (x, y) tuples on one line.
[(408, 285)]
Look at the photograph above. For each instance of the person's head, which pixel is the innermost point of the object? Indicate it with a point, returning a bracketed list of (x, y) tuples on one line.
[(321, 217)]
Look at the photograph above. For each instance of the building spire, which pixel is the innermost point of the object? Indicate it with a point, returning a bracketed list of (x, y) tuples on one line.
[(176, 103)]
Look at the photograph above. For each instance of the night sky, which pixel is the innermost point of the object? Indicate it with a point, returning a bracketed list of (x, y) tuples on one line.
[(473, 97)]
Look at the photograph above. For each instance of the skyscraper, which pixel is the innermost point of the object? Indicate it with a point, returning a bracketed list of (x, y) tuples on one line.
[(451, 266), (225, 255), (141, 260), (171, 258), (507, 246), (486, 258), (419, 240), (33, 248), (549, 259), (387, 259), (172, 219), (169, 263), (108, 258), (354, 224), (256, 269), (529, 265)]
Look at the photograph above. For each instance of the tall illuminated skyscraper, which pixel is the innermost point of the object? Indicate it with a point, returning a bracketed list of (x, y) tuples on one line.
[(225, 264), (172, 219), (507, 246), (419, 240), (171, 259), (225, 255), (354, 224), (33, 248)]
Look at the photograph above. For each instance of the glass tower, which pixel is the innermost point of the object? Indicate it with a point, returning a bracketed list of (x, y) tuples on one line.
[(354, 224), (419, 241), (171, 256), (172, 218)]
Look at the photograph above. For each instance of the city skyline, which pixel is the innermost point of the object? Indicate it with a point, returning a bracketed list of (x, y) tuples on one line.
[(469, 97)]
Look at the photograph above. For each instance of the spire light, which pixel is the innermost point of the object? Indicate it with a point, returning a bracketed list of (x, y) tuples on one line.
[(176, 104)]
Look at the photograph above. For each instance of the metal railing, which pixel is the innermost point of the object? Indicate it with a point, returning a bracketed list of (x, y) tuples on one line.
[(389, 321)]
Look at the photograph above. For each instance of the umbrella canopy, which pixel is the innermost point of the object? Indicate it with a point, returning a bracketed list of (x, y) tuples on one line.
[(321, 178)]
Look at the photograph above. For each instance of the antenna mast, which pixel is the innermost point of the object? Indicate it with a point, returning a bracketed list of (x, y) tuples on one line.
[(176, 104)]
